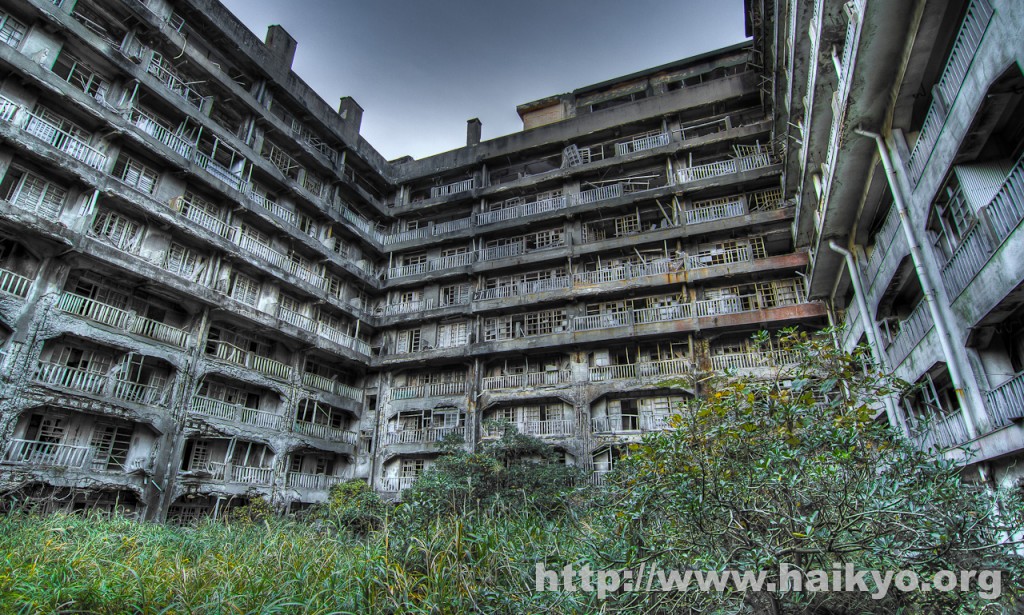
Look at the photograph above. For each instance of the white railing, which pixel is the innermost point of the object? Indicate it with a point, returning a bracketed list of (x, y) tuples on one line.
[(1006, 401), (425, 436), (523, 288), (94, 310), (912, 331), (71, 377), (597, 194), (409, 307), (396, 483), (968, 259), (262, 251), (726, 305), (294, 318), (1006, 210), (503, 251), (748, 360), (64, 141), (522, 210), (175, 83), (645, 369), (712, 258), (453, 188), (433, 389), (235, 412), (327, 385), (664, 313), (341, 338), (883, 242), (641, 143), (34, 452), (759, 160), (402, 271), (705, 171), (942, 432), (451, 226), (316, 482), (214, 168), (138, 393), (325, 432), (451, 261), (14, 284), (147, 327), (252, 476), (602, 321), (209, 222), (152, 127), (251, 360), (550, 427), (399, 237), (532, 379), (720, 210), (968, 39), (8, 109)]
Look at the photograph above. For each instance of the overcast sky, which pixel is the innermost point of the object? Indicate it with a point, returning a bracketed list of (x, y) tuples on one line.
[(421, 68)]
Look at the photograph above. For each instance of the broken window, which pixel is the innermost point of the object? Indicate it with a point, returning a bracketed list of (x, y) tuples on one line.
[(33, 193), (135, 174), (244, 289), (117, 230), (11, 30)]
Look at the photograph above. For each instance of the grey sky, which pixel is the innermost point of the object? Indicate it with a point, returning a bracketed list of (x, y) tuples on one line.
[(421, 69)]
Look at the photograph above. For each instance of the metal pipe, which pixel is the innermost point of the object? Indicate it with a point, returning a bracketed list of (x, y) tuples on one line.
[(938, 318), (895, 416)]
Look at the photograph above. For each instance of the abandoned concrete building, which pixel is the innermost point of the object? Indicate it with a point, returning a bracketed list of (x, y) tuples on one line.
[(213, 288)]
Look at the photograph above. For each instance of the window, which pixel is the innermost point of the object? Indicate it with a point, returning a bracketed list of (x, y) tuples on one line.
[(11, 30), (627, 225), (455, 294), (452, 334), (33, 193), (244, 289), (411, 468), (408, 341), (185, 262), (541, 323), (110, 445), (499, 328), (134, 174), (81, 75), (118, 231)]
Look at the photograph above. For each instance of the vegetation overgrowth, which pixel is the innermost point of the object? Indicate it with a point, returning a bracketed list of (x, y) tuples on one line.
[(753, 474)]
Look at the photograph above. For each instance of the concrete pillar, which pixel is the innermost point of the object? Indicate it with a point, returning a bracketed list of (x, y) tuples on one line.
[(474, 129)]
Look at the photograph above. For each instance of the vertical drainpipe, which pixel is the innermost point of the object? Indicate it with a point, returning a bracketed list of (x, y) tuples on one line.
[(893, 412), (942, 328)]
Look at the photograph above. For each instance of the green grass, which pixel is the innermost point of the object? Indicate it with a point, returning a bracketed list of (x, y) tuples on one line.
[(92, 564)]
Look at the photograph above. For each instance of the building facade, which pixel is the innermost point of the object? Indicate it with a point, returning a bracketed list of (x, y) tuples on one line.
[(212, 288), (904, 131)]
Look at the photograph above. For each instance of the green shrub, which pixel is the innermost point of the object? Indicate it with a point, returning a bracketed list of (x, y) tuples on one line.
[(352, 506)]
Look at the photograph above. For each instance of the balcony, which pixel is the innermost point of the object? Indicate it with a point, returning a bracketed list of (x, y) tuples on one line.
[(968, 39), (214, 168), (315, 482), (174, 83), (642, 142), (911, 332), (635, 371), (597, 194), (237, 413), (752, 360), (245, 358), (718, 209), (71, 378), (118, 318), (531, 379), (451, 226), (325, 432), (427, 435), (521, 210), (394, 484), (1006, 402), (52, 135), (523, 288), (625, 271), (14, 284), (294, 318), (941, 433), (263, 251), (453, 188), (550, 427), (629, 423), (434, 389), (251, 476), (726, 256), (46, 454), (327, 385), (634, 317), (758, 160), (143, 394), (208, 222), (408, 307), (341, 338), (159, 131)]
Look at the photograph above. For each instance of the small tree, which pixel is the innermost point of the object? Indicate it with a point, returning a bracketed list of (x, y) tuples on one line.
[(352, 506), (515, 470), (797, 470)]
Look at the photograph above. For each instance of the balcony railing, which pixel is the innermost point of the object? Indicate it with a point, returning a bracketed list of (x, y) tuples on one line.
[(94, 310), (912, 331), (451, 261), (453, 188), (154, 128), (645, 369), (968, 39), (252, 476), (237, 413), (48, 454), (522, 210), (750, 360), (316, 482), (616, 424), (245, 358), (712, 258), (71, 377), (137, 393), (433, 389), (720, 209), (513, 248), (294, 318), (209, 222), (451, 226), (325, 432), (942, 432), (327, 385), (408, 307), (64, 141), (705, 171), (396, 483), (425, 436), (550, 427), (1006, 402), (531, 379), (341, 338), (523, 288), (175, 84), (14, 284), (263, 251), (597, 194), (883, 242), (641, 143), (211, 166), (402, 271)]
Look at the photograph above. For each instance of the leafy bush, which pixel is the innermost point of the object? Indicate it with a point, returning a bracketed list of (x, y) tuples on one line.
[(354, 507)]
